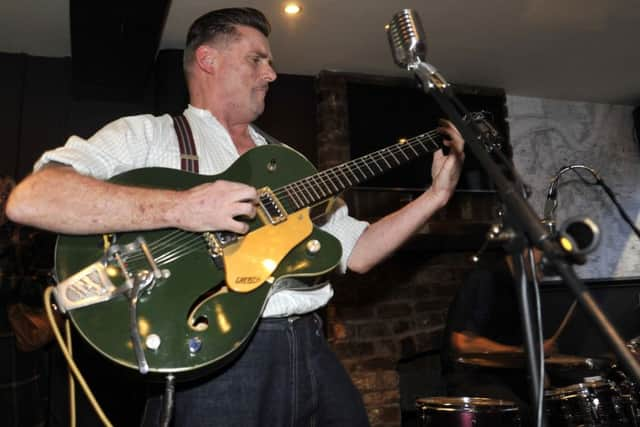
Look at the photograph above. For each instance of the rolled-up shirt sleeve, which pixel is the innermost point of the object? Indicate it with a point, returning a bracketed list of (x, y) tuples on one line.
[(119, 146)]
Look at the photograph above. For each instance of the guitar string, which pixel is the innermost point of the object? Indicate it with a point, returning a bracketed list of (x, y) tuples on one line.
[(174, 239), (324, 176), (177, 241), (382, 154), (184, 244), (171, 239)]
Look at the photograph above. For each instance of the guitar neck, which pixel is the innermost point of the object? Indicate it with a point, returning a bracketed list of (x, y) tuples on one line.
[(323, 185)]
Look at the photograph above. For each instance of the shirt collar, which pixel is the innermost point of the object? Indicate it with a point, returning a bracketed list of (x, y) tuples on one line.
[(210, 120)]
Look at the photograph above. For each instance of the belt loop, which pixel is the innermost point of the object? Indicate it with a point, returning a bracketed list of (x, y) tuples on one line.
[(293, 318)]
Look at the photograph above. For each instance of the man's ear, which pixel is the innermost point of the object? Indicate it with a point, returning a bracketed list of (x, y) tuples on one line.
[(206, 58)]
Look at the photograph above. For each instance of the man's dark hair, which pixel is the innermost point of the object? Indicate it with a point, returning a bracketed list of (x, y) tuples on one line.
[(222, 23)]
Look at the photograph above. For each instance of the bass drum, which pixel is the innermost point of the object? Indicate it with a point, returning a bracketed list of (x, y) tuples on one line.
[(467, 411)]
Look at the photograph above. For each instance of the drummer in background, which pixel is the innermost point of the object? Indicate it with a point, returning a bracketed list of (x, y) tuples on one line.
[(484, 317)]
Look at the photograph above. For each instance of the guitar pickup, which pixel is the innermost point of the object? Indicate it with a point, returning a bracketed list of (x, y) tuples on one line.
[(271, 206)]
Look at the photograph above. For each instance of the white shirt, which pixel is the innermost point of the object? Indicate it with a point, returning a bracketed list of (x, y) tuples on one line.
[(149, 141)]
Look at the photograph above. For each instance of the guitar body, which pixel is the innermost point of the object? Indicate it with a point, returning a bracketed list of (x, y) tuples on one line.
[(192, 305)]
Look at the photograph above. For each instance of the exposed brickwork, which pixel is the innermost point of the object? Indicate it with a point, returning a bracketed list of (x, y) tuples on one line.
[(393, 312)]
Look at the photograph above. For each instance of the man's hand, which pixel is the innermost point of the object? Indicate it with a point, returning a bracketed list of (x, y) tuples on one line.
[(550, 346), (445, 170), (215, 206)]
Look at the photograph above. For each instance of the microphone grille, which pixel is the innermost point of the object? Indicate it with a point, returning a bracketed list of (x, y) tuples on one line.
[(406, 38)]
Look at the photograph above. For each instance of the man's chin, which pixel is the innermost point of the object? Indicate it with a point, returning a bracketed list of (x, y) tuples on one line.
[(258, 110)]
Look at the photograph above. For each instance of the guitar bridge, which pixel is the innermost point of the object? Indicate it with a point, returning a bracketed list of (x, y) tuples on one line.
[(271, 206), (216, 241)]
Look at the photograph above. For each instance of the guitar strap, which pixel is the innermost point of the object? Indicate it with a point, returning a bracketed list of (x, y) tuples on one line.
[(189, 162), (188, 153)]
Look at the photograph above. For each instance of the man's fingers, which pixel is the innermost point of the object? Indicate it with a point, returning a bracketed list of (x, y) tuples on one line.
[(240, 191), (239, 227), (244, 209)]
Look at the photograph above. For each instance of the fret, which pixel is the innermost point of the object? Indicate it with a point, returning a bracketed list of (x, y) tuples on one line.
[(421, 142), (435, 142), (364, 175), (312, 187), (367, 165), (305, 190), (375, 162), (335, 174), (345, 175), (297, 194), (413, 149), (323, 185), (356, 169), (394, 156), (323, 181), (328, 175), (300, 190), (402, 150), (294, 201), (385, 159)]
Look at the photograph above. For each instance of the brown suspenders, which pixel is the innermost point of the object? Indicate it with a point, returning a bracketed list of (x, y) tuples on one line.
[(188, 153)]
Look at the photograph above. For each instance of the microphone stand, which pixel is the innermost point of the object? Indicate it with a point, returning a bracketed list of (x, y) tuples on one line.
[(523, 216)]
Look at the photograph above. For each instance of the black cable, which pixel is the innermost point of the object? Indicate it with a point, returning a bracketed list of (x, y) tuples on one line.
[(600, 182), (623, 213), (168, 399)]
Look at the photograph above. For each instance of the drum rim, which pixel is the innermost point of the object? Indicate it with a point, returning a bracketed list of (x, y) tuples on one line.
[(469, 404), (580, 387)]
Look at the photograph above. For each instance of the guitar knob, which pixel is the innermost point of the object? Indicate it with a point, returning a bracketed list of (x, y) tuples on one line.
[(195, 344), (152, 342), (313, 247)]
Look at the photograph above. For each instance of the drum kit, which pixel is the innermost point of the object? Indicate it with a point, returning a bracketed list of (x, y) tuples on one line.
[(581, 391)]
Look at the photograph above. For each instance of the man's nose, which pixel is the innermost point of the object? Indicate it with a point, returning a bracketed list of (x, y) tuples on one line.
[(270, 74)]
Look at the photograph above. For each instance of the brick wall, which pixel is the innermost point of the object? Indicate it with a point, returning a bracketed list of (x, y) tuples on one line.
[(395, 311)]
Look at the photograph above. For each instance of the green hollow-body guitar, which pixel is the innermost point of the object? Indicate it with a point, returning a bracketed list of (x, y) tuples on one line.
[(176, 302)]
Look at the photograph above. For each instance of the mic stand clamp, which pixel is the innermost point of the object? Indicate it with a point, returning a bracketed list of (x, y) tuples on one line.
[(428, 74)]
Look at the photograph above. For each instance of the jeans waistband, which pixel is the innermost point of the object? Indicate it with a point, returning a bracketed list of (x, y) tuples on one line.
[(272, 323)]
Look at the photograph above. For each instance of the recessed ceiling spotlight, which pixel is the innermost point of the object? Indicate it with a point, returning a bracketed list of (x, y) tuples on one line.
[(292, 9)]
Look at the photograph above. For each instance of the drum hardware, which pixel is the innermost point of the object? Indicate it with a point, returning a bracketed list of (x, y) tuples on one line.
[(595, 402), (467, 411), (517, 360)]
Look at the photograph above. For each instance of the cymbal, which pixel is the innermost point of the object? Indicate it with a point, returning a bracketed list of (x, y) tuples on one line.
[(518, 360), (493, 360)]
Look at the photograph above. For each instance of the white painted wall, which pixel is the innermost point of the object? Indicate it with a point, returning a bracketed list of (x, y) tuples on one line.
[(549, 134)]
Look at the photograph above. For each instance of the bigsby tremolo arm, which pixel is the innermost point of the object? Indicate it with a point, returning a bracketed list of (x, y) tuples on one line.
[(93, 285)]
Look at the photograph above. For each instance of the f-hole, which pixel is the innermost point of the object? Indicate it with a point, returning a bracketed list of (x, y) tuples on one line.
[(201, 323)]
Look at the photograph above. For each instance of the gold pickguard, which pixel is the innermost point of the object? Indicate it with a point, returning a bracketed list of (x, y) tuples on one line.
[(252, 259)]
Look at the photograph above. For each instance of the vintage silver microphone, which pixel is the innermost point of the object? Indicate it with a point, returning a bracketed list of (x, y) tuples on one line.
[(406, 38), (409, 48)]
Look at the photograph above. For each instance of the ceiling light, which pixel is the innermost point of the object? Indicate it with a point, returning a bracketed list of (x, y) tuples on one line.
[(292, 9)]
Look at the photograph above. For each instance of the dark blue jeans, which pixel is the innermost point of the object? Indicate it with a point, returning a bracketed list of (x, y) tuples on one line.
[(287, 376)]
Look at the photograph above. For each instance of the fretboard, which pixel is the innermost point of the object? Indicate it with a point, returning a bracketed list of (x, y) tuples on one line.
[(323, 185)]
